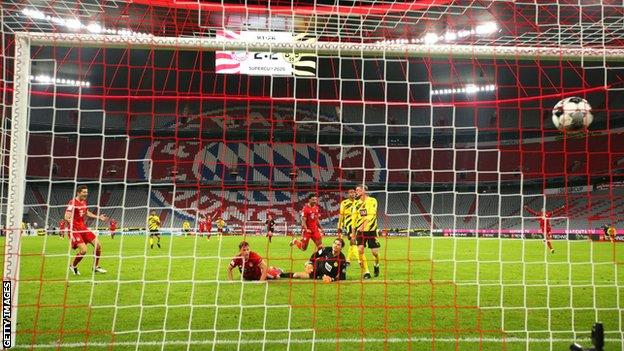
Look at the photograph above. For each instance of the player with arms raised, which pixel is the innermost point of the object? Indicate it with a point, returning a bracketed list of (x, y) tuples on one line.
[(365, 219), (251, 265), (205, 225), (345, 222), (79, 232), (310, 227), (544, 221)]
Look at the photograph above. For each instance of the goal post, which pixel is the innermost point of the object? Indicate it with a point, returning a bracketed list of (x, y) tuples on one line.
[(415, 183), (16, 189), (320, 47)]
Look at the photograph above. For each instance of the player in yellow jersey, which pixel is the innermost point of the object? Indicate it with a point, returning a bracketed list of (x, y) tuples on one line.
[(186, 227), (345, 222), (610, 232), (153, 225), (365, 215), (220, 225)]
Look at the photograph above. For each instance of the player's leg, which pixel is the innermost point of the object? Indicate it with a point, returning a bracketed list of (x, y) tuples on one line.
[(270, 236), (318, 241), (359, 240), (98, 252), (304, 243), (306, 274), (547, 237), (301, 244), (151, 240), (375, 252), (158, 239), (79, 244), (274, 272)]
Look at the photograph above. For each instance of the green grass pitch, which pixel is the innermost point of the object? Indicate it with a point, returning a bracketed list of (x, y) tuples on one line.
[(433, 293)]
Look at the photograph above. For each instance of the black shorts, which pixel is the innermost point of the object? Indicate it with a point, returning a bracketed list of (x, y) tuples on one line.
[(154, 232), (367, 239)]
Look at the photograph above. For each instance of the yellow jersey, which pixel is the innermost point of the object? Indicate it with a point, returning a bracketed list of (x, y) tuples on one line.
[(186, 225), (153, 222), (220, 223), (365, 211), (345, 216)]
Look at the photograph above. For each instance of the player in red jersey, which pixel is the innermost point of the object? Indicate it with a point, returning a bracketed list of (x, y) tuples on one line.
[(251, 265), (544, 221), (112, 227), (80, 235), (63, 228), (205, 225), (310, 227)]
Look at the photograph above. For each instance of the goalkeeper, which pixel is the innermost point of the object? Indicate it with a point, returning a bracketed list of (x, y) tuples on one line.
[(345, 222), (328, 264)]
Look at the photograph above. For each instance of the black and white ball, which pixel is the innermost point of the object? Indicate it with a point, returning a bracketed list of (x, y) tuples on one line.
[(573, 113)]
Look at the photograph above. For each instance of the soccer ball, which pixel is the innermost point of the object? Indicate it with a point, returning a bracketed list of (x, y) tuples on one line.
[(573, 113)]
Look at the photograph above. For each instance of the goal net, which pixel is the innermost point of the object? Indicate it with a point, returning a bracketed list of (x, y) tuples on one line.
[(196, 117)]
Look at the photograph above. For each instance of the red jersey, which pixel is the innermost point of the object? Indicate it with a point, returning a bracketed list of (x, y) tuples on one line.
[(205, 226), (311, 216), (544, 217), (112, 225), (78, 210), (62, 225), (251, 269)]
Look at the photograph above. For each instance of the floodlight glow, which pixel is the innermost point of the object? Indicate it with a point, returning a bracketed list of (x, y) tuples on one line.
[(75, 24), (469, 89), (430, 38), (45, 79), (94, 28)]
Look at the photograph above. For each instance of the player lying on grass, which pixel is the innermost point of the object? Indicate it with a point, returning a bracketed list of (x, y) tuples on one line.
[(544, 221), (251, 265), (79, 232), (310, 226), (328, 264)]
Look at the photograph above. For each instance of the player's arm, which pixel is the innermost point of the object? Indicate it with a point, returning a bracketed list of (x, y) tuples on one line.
[(559, 210), (318, 224), (304, 226), (229, 270), (341, 215), (94, 216), (531, 211), (68, 215), (265, 269)]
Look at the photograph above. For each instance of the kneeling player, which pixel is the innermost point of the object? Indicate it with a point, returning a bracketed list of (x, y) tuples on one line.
[(328, 264), (310, 228), (251, 265)]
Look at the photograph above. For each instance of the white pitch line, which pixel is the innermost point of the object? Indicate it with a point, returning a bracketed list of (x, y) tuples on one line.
[(514, 340)]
